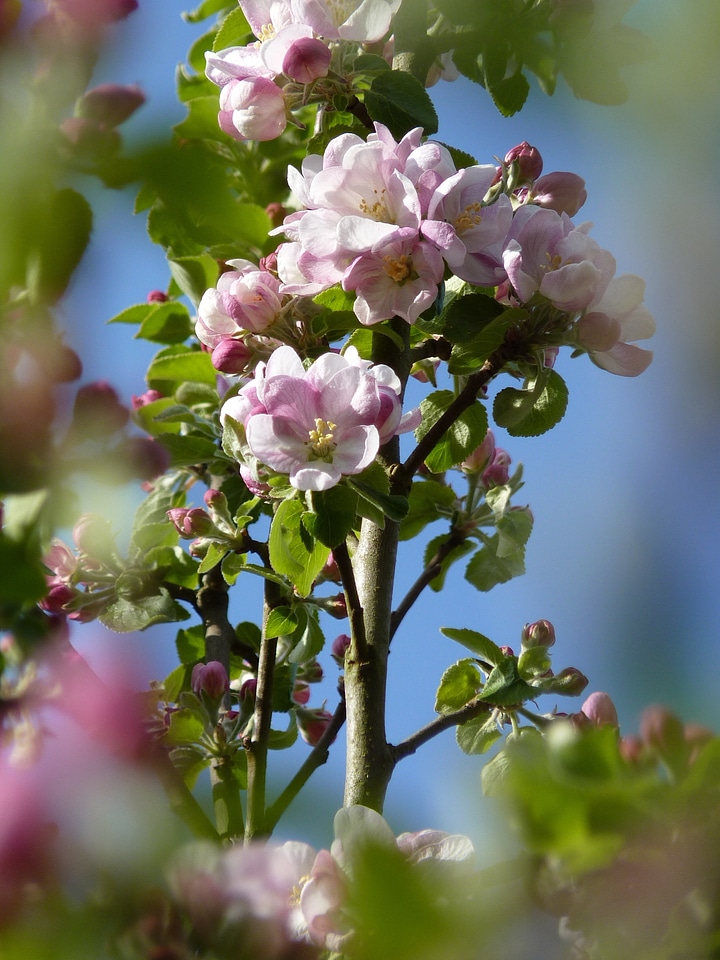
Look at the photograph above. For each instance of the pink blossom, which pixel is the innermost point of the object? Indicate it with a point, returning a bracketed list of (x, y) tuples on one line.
[(427, 167), (599, 708), (398, 277), (364, 21), (546, 253), (245, 299), (210, 679), (252, 108), (316, 425), (611, 324), (468, 232)]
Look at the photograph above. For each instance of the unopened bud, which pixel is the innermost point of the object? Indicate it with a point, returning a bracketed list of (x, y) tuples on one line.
[(307, 59), (210, 680), (663, 731), (93, 535), (340, 646), (230, 356), (497, 473), (157, 296), (528, 160), (631, 749), (481, 456), (98, 412), (143, 458), (538, 634), (110, 104), (150, 396), (336, 606), (600, 709), (312, 724), (570, 682), (300, 693), (190, 522)]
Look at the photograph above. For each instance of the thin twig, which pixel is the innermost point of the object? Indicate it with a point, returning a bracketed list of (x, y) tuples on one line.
[(408, 747), (354, 608), (316, 758), (454, 539)]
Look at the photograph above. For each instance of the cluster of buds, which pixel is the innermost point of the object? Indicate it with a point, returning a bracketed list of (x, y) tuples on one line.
[(205, 527), (492, 463), (535, 667), (92, 131), (663, 736), (561, 191)]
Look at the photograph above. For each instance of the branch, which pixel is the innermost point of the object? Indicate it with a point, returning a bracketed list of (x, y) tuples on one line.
[(316, 758), (257, 748), (184, 594), (355, 610), (455, 539), (408, 747), (466, 398)]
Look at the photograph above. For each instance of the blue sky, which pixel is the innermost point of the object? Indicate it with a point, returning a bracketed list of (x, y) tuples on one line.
[(624, 558)]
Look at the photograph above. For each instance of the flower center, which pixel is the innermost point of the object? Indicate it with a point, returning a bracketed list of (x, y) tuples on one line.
[(321, 440), (554, 263), (267, 32), (377, 209), (340, 10), (398, 269), (297, 890), (469, 217)]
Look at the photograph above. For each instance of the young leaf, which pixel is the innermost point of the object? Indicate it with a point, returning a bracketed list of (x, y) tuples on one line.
[(460, 683), (334, 514), (463, 436), (293, 551), (281, 622), (127, 616), (477, 735), (532, 412), (476, 642)]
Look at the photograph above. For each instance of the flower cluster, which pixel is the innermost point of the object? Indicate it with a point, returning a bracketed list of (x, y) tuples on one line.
[(316, 425), (258, 82), (280, 895)]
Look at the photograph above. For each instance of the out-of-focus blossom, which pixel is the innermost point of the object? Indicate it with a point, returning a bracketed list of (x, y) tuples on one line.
[(364, 21), (110, 104), (98, 411), (599, 708)]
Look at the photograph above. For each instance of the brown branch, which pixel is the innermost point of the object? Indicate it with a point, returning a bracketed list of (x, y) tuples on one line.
[(413, 743), (354, 608)]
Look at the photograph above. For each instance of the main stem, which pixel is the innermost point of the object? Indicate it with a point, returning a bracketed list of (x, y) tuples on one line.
[(370, 760)]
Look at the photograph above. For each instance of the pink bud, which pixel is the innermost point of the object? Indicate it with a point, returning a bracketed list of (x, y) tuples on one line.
[(110, 104), (157, 296), (150, 396), (190, 522), (215, 498), (313, 724), (497, 473), (600, 709), (631, 749), (98, 411), (300, 693), (570, 682), (277, 213), (481, 456), (336, 606), (306, 60), (560, 191), (210, 679), (507, 651), (57, 597), (538, 634), (252, 109), (528, 159), (340, 646), (662, 730), (230, 356), (248, 690), (143, 458), (310, 672)]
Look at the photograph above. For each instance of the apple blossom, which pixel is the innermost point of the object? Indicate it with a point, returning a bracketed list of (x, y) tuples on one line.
[(611, 324), (559, 191), (316, 425), (546, 253), (245, 299), (364, 21)]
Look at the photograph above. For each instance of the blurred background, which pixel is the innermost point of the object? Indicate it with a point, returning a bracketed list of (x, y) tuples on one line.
[(625, 556)]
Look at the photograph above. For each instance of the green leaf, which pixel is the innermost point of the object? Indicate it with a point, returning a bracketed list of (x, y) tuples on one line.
[(437, 583), (476, 642), (186, 451), (426, 499), (476, 736), (134, 314), (334, 514), (336, 299), (281, 622), (460, 683), (233, 30), (400, 102), (166, 323), (530, 413), (505, 686), (196, 53), (201, 121), (293, 551), (392, 506), (62, 236), (487, 569), (206, 9), (469, 314), (310, 642), (463, 436), (370, 63), (190, 644), (194, 275), (23, 575), (181, 366), (214, 555), (470, 355), (240, 567), (186, 726), (127, 616), (510, 94), (282, 739)]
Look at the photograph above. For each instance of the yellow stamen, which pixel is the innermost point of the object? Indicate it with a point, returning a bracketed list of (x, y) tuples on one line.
[(267, 32), (377, 210), (322, 442), (398, 268), (469, 217)]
